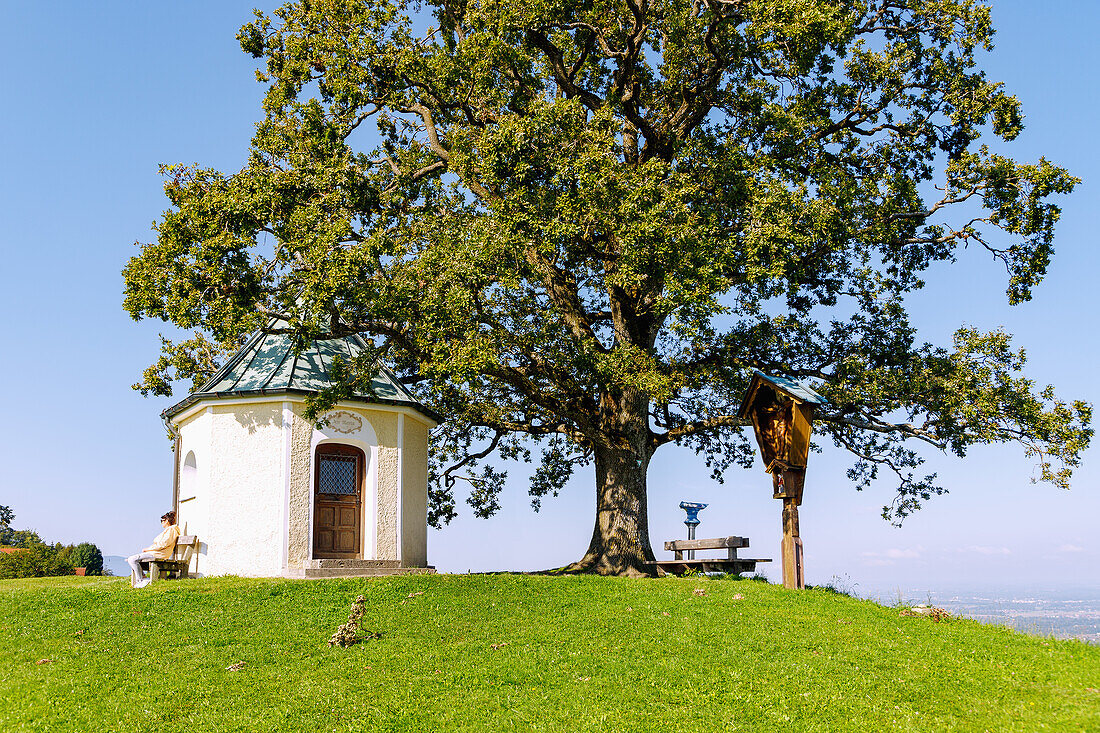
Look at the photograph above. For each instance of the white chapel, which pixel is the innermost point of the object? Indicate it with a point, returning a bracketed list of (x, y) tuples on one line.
[(269, 493)]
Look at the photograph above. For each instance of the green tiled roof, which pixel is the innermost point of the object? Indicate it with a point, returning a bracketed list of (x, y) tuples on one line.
[(268, 364)]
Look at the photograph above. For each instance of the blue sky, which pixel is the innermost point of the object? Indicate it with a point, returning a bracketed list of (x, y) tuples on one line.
[(96, 95)]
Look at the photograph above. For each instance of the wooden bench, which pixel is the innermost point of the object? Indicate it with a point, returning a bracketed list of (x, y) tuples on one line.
[(729, 564), (178, 563)]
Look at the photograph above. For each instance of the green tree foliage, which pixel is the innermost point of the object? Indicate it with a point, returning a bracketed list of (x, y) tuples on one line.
[(87, 556), (37, 558), (10, 537), (577, 228), (64, 552), (19, 537), (35, 561)]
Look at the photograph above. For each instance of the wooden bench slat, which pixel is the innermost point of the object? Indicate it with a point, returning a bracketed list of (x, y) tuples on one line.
[(729, 544), (717, 543)]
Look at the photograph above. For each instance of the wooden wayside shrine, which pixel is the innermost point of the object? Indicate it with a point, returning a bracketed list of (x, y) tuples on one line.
[(782, 414)]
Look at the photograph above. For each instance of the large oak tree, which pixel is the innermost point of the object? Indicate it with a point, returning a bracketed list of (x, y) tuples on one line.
[(576, 227)]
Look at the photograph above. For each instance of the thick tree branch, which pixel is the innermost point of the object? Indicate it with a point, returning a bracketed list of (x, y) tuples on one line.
[(696, 427), (563, 76), (877, 425), (561, 288)]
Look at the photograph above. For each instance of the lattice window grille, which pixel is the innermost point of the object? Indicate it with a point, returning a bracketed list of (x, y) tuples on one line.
[(336, 475)]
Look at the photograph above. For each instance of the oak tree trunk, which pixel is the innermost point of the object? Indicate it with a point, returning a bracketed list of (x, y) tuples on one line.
[(620, 538)]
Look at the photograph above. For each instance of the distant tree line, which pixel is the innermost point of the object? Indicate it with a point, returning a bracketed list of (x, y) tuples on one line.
[(36, 558)]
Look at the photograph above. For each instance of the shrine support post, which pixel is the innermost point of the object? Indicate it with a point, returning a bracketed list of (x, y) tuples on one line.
[(788, 487)]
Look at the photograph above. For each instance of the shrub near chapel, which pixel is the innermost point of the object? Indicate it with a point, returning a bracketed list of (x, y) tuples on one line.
[(25, 555), (36, 561), (88, 556)]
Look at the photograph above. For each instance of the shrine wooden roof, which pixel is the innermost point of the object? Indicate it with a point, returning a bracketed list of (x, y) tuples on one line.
[(795, 388)]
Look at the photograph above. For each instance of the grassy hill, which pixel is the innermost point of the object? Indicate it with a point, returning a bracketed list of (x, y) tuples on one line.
[(515, 652)]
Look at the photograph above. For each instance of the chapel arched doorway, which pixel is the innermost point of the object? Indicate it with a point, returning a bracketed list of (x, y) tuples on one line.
[(338, 501)]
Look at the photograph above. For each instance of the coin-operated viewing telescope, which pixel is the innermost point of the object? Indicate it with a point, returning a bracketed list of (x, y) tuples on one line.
[(692, 508)]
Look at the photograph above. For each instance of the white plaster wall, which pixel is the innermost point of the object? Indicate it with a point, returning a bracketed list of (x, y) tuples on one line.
[(378, 438), (300, 507), (386, 527), (414, 494), (253, 502), (244, 532), (192, 512)]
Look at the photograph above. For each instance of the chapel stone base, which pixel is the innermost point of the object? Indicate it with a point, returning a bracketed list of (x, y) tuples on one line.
[(355, 569)]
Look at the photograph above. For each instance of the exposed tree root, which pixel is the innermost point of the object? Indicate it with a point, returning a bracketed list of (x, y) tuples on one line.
[(592, 564)]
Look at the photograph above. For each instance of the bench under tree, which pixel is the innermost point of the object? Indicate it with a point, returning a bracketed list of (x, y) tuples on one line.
[(731, 563)]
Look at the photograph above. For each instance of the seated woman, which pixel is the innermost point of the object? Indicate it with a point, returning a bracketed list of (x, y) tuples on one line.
[(161, 549)]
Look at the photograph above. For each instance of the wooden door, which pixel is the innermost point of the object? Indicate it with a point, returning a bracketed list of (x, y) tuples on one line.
[(337, 501)]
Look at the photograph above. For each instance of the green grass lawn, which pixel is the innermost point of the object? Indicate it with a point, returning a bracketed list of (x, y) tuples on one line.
[(515, 652)]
